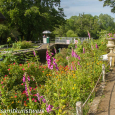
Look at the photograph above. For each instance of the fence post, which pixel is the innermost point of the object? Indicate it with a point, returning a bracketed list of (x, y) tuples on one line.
[(103, 71), (79, 109)]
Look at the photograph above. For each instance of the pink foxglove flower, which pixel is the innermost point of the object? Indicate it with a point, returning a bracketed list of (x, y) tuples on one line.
[(83, 50), (28, 78), (72, 53), (34, 53), (78, 63), (24, 78), (96, 46), (49, 108), (38, 96), (75, 68), (89, 35), (44, 100), (79, 57), (55, 50)]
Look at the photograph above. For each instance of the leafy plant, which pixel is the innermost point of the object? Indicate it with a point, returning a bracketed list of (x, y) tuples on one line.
[(23, 45)]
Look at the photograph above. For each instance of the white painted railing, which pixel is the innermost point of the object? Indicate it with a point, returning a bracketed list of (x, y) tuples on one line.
[(68, 40)]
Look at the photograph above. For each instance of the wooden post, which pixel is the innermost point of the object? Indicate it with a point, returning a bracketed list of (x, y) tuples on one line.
[(79, 110), (103, 71)]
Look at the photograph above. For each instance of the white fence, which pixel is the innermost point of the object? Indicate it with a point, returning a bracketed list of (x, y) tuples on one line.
[(68, 40)]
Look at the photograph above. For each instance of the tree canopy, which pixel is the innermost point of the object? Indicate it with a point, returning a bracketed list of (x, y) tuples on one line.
[(80, 25), (110, 3), (32, 17)]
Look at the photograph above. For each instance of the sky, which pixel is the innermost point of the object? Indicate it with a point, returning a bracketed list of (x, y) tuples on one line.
[(93, 7)]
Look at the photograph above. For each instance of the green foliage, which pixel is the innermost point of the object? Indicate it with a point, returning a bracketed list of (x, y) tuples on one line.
[(79, 25), (70, 33), (9, 39), (31, 18), (76, 77), (22, 45), (103, 34), (4, 33), (109, 3)]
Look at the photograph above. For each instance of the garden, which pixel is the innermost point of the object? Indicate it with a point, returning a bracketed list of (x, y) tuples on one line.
[(55, 87)]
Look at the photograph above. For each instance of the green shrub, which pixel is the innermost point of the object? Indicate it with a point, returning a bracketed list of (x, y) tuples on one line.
[(23, 45)]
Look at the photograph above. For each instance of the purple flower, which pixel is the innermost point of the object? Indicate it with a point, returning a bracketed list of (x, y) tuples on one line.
[(76, 55), (41, 96), (55, 51), (72, 53), (96, 46), (44, 100), (38, 96), (24, 78), (83, 50), (75, 68), (51, 67), (78, 63), (34, 53), (49, 108), (79, 57), (89, 34), (28, 78), (26, 90), (55, 64), (75, 46)]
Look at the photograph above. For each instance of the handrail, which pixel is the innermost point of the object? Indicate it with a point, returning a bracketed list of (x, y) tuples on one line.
[(93, 88)]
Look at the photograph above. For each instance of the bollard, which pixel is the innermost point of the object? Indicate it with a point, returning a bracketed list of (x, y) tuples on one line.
[(103, 72), (79, 110)]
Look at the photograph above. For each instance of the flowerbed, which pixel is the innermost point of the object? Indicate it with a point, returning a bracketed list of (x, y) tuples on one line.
[(54, 88)]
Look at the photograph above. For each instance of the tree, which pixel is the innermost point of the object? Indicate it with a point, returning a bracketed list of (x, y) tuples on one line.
[(106, 22), (32, 17), (110, 3), (4, 32), (70, 33)]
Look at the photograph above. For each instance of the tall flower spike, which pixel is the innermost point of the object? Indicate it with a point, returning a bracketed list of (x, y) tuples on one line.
[(24, 78), (89, 35), (96, 46), (34, 53), (72, 53), (83, 50), (49, 108), (55, 50)]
